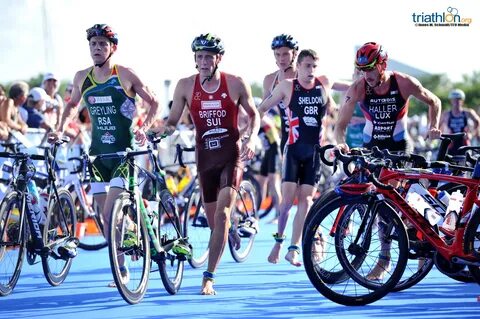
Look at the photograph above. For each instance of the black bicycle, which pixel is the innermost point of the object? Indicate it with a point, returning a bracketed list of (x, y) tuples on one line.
[(50, 233)]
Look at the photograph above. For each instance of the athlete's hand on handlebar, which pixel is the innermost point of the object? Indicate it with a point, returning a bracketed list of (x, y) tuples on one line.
[(53, 137), (342, 147), (140, 136), (434, 133)]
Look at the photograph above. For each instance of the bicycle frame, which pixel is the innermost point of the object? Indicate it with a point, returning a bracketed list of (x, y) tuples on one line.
[(26, 187), (134, 193)]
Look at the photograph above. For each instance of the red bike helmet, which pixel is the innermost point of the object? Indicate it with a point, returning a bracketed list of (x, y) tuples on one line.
[(102, 30), (369, 55)]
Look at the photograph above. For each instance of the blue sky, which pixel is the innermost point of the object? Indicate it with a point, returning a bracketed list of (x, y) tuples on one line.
[(155, 36)]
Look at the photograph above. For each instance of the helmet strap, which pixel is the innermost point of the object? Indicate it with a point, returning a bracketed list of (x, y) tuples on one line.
[(208, 78), (99, 65)]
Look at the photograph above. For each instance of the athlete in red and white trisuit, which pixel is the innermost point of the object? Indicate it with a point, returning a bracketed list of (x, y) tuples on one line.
[(383, 97), (213, 99)]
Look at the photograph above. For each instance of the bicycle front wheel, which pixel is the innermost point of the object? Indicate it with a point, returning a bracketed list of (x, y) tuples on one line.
[(244, 223), (329, 269), (129, 250), (59, 227), (12, 242), (170, 263)]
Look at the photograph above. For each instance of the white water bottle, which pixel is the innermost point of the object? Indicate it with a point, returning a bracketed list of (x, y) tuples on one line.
[(453, 211), (419, 198), (444, 197)]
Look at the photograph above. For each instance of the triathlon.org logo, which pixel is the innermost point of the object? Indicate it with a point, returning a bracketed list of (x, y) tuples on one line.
[(451, 18)]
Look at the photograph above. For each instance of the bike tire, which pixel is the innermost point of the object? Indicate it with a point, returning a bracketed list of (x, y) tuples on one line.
[(249, 176), (170, 265), (196, 229), (55, 232), (136, 258), (245, 210), (12, 242)]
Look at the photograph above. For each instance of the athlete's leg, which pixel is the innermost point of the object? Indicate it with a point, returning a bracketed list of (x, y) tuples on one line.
[(288, 192), (218, 215), (305, 200)]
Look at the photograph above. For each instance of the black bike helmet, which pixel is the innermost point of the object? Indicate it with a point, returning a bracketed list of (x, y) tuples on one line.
[(208, 42), (284, 40), (102, 30)]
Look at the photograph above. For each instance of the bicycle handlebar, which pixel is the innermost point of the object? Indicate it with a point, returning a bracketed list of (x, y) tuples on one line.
[(179, 153)]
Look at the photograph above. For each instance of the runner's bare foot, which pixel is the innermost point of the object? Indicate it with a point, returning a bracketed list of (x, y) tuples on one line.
[(207, 284), (318, 249), (274, 256), (380, 269), (292, 256)]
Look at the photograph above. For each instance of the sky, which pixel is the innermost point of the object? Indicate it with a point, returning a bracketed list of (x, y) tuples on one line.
[(40, 36)]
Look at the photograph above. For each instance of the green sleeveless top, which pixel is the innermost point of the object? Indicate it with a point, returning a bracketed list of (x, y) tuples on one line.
[(111, 112)]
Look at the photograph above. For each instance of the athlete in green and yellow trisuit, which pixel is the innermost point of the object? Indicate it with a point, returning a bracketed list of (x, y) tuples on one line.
[(108, 90)]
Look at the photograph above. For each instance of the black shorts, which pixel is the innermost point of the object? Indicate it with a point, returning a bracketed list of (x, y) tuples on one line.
[(298, 164), (269, 160)]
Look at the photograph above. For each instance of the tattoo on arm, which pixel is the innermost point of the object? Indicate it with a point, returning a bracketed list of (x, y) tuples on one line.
[(347, 98)]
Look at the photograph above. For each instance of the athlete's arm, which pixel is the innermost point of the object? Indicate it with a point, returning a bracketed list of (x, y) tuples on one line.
[(267, 84), (443, 121), (278, 94), (341, 86), (149, 97), (411, 86), (72, 106), (330, 107), (246, 101), (345, 113), (178, 105), (476, 121)]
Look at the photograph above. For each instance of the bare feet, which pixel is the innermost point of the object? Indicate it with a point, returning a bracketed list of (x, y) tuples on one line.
[(318, 249), (274, 256), (292, 256), (380, 269), (207, 287)]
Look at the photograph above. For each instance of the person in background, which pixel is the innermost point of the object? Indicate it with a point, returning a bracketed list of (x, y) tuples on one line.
[(54, 105), (460, 119), (10, 111)]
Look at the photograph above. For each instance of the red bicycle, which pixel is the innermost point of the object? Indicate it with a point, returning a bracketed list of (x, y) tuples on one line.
[(359, 229)]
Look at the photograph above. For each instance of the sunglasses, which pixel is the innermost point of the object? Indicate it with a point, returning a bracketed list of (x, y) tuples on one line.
[(366, 67)]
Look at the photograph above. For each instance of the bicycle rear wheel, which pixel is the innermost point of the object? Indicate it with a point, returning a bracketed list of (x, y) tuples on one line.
[(195, 225), (12, 242), (129, 250), (244, 222), (59, 227), (170, 264)]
